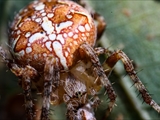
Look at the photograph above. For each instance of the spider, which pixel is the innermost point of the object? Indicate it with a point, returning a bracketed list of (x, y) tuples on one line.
[(52, 43)]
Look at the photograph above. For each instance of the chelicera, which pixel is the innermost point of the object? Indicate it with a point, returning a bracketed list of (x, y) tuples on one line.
[(52, 43)]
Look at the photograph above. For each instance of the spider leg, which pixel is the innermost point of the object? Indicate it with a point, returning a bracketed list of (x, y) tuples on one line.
[(100, 73), (51, 79), (26, 75), (112, 59), (26, 78), (100, 50)]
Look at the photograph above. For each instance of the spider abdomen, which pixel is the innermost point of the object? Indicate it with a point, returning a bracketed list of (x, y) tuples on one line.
[(51, 28)]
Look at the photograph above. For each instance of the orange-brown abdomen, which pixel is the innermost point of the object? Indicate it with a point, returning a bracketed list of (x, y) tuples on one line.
[(51, 28)]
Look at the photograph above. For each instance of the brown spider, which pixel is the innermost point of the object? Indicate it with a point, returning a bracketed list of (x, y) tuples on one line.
[(52, 46)]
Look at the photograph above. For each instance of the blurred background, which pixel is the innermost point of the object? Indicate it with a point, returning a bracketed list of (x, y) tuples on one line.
[(132, 26)]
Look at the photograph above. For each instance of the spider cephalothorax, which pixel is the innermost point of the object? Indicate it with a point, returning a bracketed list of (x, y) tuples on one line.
[(52, 45)]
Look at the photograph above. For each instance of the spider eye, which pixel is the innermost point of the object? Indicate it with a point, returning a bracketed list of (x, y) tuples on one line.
[(79, 94)]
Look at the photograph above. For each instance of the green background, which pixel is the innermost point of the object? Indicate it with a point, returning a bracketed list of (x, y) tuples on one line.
[(132, 26)]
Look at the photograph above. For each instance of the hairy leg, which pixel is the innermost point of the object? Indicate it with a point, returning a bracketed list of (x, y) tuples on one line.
[(26, 82), (100, 73), (113, 58), (51, 78), (26, 75)]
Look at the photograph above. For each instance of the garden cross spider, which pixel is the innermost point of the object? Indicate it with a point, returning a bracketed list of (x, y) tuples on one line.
[(52, 46)]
